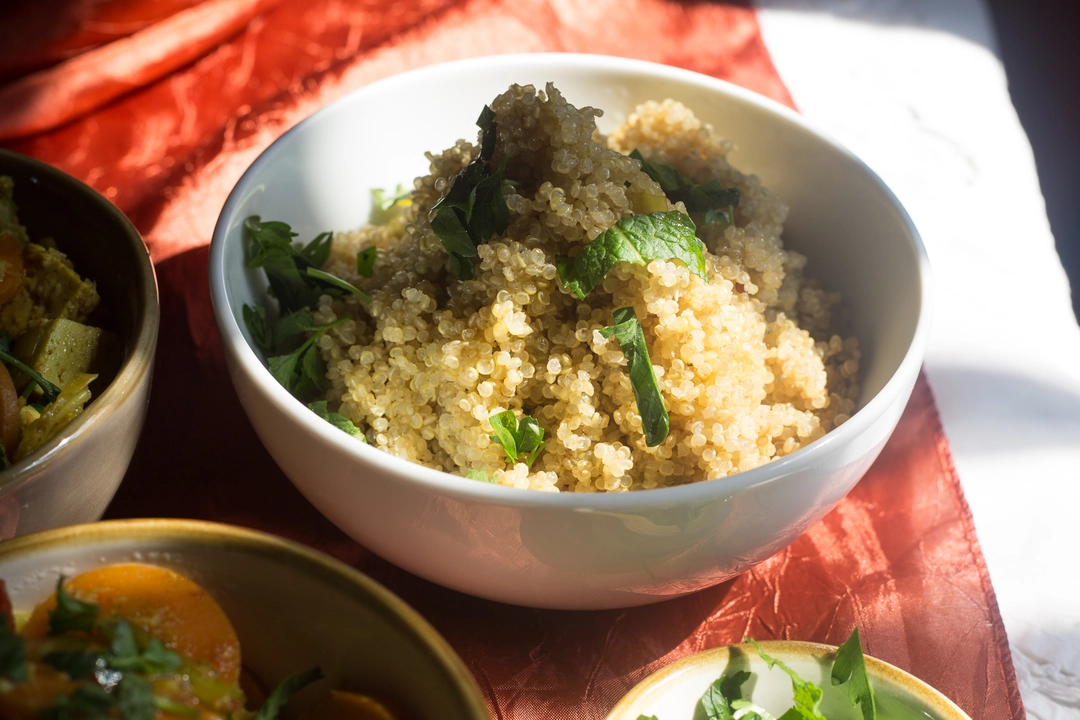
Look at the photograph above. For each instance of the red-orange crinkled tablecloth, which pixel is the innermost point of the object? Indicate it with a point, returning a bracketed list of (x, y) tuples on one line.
[(161, 105)]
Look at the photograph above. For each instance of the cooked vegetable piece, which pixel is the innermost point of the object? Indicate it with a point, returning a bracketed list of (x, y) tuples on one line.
[(50, 289), (637, 239), (11, 266), (654, 417), (67, 405), (9, 417), (62, 349), (9, 212), (160, 603)]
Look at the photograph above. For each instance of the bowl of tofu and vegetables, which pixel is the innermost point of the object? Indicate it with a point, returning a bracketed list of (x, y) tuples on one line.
[(78, 328)]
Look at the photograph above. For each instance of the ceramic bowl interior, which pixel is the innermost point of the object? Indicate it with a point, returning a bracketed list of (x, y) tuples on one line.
[(292, 608), (72, 477), (565, 550), (673, 692)]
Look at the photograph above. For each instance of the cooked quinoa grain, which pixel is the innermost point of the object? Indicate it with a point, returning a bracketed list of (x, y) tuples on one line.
[(747, 362)]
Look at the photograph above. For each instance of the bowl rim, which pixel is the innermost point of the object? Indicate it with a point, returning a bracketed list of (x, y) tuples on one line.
[(877, 669), (247, 362), (135, 369), (226, 537)]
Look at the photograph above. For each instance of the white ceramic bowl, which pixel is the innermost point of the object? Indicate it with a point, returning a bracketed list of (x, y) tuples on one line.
[(292, 608), (583, 551), (672, 693)]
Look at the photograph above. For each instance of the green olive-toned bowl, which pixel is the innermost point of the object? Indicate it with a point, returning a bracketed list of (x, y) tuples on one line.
[(674, 691), (292, 608), (72, 477)]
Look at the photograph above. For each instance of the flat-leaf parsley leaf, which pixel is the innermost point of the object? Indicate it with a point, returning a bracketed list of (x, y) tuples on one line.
[(521, 439)]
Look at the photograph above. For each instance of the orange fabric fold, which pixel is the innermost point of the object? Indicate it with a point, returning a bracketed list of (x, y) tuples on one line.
[(898, 557)]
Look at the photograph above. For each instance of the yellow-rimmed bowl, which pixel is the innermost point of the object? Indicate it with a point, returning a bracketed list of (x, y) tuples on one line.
[(292, 608), (674, 691)]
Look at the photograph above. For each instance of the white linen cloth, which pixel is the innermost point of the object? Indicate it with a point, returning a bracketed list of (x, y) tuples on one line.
[(917, 90)]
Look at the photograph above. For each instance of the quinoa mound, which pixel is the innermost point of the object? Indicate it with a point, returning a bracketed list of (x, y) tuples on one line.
[(747, 362)]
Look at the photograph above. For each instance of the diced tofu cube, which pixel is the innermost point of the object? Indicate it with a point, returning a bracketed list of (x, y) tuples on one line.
[(50, 289), (62, 348)]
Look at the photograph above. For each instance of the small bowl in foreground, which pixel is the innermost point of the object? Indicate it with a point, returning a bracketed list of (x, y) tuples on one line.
[(72, 477), (292, 608), (672, 693), (575, 551)]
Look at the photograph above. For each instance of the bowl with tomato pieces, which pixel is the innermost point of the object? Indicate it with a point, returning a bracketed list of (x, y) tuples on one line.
[(173, 619), (78, 327)]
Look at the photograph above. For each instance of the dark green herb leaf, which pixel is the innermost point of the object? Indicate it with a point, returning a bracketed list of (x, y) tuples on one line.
[(88, 702), (716, 703), (12, 655), (481, 475), (517, 437), (5, 341), (365, 261), (48, 389), (76, 663), (259, 327), (505, 426), (654, 418), (123, 644), (338, 282), (303, 371), (336, 419), (850, 667), (291, 325), (637, 239), (318, 250), (71, 614), (135, 698), (474, 209), (807, 694), (270, 247), (284, 692), (718, 203)]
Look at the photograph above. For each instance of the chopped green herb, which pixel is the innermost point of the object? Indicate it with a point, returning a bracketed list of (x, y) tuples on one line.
[(481, 475), (48, 389), (336, 419), (718, 203), (285, 690), (12, 655), (338, 282), (384, 201), (850, 667), (88, 702), (637, 239), (76, 663), (365, 261), (303, 371), (288, 266), (71, 614), (517, 437), (474, 209), (135, 698), (125, 654), (654, 418)]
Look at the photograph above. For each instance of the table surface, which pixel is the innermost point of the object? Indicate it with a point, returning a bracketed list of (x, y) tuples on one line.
[(917, 90)]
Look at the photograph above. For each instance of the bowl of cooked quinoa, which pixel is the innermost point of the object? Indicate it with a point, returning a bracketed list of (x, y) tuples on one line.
[(78, 328), (568, 331)]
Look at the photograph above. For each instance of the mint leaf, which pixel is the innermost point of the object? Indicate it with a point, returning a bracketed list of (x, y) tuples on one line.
[(654, 418), (12, 655), (718, 203), (365, 261), (807, 694), (71, 614), (135, 698), (336, 419), (481, 475), (474, 209), (517, 437), (850, 667), (637, 239), (288, 687)]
